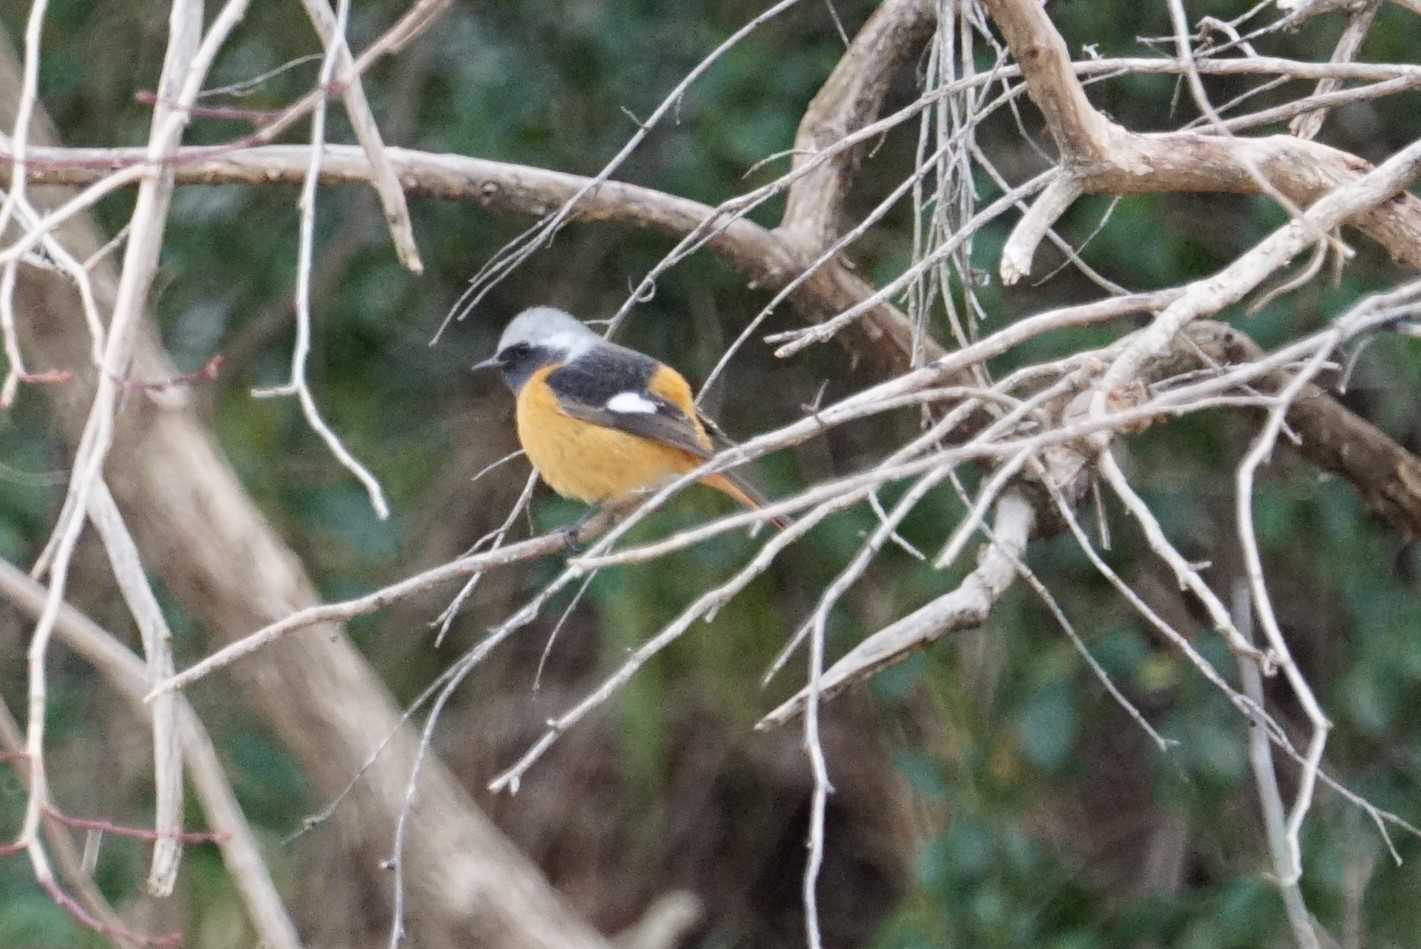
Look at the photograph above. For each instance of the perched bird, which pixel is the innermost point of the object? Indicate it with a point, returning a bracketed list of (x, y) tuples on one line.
[(601, 422)]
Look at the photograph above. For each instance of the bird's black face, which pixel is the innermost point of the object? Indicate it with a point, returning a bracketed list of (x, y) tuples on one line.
[(517, 362)]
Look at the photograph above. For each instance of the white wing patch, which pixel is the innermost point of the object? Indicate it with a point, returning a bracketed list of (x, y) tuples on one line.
[(631, 403)]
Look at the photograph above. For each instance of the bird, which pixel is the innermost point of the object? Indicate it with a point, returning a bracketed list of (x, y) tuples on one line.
[(602, 423)]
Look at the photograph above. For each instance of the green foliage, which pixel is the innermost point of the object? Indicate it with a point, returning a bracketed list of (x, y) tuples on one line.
[(34, 920)]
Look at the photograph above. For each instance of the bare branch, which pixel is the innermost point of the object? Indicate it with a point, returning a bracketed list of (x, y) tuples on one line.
[(387, 185), (1208, 296), (851, 96), (129, 676), (965, 607), (1105, 158), (1270, 799), (188, 57), (349, 609), (299, 385), (1263, 608), (1021, 246), (158, 653), (1348, 45)]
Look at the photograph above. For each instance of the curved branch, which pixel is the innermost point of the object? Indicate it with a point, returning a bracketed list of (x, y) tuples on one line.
[(764, 257), (1020, 248), (1081, 132), (851, 97), (1105, 158)]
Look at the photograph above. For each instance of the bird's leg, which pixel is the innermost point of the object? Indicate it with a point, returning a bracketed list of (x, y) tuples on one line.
[(572, 533), (595, 521)]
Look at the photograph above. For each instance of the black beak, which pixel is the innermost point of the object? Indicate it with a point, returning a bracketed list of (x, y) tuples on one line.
[(489, 363)]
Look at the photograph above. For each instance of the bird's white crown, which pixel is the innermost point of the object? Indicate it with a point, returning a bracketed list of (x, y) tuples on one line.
[(546, 327)]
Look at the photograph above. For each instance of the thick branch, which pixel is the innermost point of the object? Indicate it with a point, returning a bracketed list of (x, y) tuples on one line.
[(1081, 133), (850, 98), (762, 256), (1386, 475), (1104, 158), (1303, 171)]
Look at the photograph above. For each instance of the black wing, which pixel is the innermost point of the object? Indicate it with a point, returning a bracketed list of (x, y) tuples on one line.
[(609, 387)]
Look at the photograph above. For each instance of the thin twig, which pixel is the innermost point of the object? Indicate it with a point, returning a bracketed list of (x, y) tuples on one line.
[(299, 385)]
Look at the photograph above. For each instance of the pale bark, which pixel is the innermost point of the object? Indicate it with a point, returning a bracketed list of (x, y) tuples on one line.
[(216, 551)]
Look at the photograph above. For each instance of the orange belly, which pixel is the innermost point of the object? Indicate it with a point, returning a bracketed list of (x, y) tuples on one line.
[(587, 462)]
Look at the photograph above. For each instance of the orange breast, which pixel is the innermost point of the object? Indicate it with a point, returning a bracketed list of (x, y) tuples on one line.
[(587, 462)]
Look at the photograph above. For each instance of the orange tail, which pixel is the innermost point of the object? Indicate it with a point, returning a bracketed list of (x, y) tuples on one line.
[(741, 491)]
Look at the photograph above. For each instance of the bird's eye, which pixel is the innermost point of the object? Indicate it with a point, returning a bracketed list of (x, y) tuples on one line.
[(516, 352)]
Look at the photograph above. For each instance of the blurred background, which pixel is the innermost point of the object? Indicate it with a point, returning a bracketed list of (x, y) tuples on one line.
[(989, 792)]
